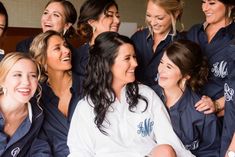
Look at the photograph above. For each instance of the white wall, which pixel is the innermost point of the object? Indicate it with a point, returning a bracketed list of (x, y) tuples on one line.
[(27, 13)]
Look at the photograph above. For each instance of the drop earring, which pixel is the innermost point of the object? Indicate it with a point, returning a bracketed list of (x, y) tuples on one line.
[(45, 67), (229, 11), (93, 29), (65, 30), (183, 83), (156, 78), (4, 90)]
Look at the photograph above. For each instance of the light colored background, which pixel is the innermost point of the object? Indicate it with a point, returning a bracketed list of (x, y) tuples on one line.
[(27, 13)]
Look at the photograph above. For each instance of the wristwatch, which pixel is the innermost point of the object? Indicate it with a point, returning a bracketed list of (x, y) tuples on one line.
[(230, 153)]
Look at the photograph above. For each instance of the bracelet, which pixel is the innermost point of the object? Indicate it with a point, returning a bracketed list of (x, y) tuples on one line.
[(217, 106)]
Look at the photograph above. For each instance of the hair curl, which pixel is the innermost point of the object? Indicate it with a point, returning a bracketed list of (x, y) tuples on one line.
[(91, 9)]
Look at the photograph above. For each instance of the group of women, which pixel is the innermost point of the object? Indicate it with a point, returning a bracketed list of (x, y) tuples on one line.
[(97, 101)]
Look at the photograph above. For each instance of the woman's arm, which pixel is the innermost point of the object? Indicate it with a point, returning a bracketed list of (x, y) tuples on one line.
[(210, 137), (207, 106), (163, 130), (80, 137), (40, 146)]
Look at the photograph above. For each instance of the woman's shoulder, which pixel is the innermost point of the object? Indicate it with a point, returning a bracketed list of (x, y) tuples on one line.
[(145, 89), (24, 45), (80, 54), (149, 93), (196, 27), (193, 33), (77, 81), (231, 50), (46, 89), (139, 34), (84, 47), (36, 109), (190, 99), (85, 106), (231, 28)]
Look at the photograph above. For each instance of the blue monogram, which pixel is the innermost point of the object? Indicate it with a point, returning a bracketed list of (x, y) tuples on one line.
[(145, 128)]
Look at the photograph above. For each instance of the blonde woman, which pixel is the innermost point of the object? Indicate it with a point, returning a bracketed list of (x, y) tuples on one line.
[(161, 18), (20, 120)]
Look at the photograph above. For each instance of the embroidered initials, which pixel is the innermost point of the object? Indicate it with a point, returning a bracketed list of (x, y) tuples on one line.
[(145, 128), (228, 92), (15, 152), (193, 146), (219, 69)]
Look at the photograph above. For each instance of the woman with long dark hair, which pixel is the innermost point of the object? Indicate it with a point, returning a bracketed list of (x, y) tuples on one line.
[(119, 116), (94, 18)]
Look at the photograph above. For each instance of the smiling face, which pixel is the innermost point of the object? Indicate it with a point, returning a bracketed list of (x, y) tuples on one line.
[(158, 19), (123, 69), (21, 82), (215, 11), (108, 21), (169, 74), (2, 24), (58, 54), (53, 18)]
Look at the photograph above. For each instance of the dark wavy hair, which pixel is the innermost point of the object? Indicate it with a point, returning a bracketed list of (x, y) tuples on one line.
[(3, 11), (188, 56), (99, 77), (91, 9), (228, 2), (231, 10), (70, 16)]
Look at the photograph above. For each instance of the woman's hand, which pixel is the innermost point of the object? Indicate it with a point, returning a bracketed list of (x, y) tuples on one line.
[(205, 105)]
